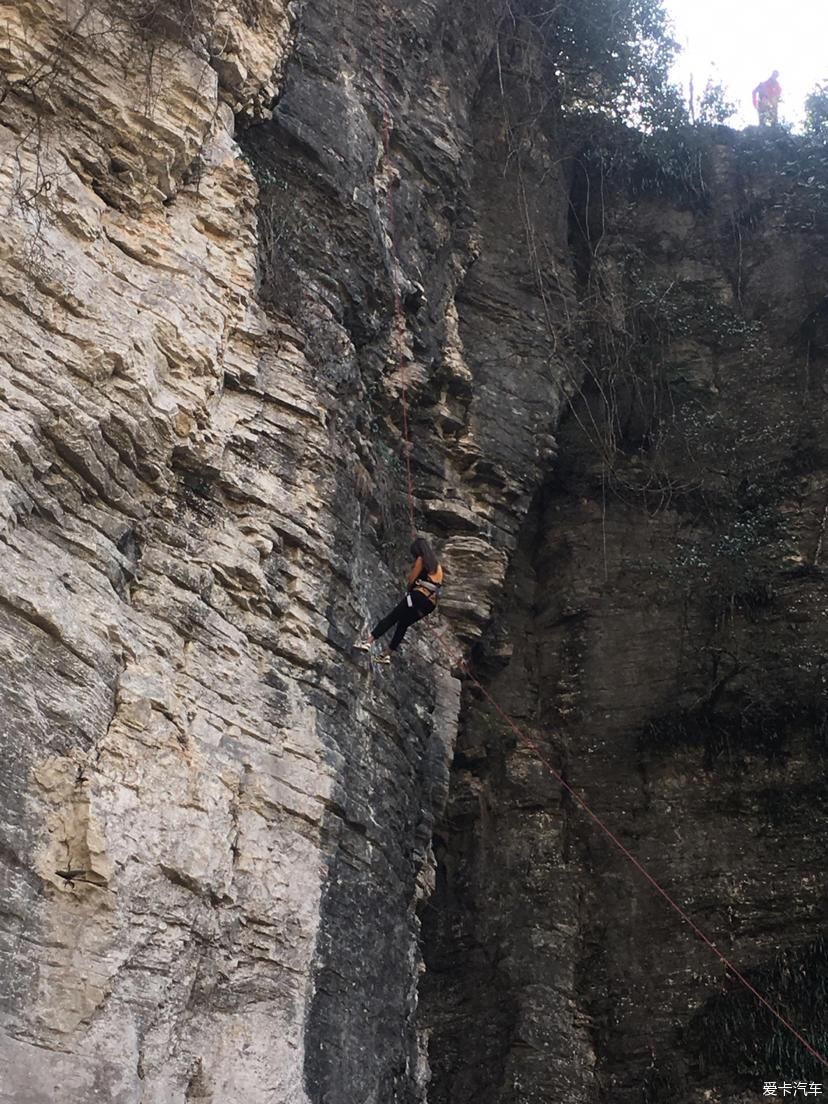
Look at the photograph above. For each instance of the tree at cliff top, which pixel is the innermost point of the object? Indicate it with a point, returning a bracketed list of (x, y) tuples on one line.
[(714, 106), (816, 112), (611, 57)]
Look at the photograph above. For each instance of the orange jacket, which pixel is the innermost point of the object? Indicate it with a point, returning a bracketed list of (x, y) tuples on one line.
[(436, 577), (768, 91)]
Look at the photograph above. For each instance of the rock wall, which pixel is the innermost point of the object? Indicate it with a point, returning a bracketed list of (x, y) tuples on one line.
[(349, 212), (164, 785), (217, 821), (666, 623)]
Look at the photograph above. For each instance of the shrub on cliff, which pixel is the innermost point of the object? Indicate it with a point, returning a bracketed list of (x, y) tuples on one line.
[(816, 112)]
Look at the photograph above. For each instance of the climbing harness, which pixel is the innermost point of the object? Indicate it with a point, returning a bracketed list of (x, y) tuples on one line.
[(427, 587), (461, 664)]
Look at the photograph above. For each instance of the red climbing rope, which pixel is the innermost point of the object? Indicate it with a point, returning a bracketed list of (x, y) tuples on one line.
[(529, 742), (399, 329)]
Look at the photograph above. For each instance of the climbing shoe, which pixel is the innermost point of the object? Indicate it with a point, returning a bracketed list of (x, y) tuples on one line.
[(364, 645)]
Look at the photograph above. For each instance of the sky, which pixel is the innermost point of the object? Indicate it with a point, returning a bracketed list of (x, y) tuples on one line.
[(741, 42)]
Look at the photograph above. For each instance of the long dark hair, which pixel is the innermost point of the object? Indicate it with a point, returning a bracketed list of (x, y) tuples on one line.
[(420, 547)]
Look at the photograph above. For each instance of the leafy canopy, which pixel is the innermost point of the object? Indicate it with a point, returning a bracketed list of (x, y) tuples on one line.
[(714, 106), (816, 112), (611, 57)]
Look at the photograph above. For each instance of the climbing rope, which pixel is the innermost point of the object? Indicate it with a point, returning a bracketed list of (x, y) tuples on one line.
[(461, 664), (628, 855)]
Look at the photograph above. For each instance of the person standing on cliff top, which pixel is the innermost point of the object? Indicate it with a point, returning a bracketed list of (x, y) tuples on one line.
[(424, 584), (766, 98)]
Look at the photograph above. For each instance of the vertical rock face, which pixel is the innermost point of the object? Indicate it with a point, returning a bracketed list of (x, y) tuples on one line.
[(165, 781), (379, 169), (239, 239), (666, 612), (216, 823)]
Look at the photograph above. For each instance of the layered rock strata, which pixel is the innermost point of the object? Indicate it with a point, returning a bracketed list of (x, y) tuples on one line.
[(217, 820)]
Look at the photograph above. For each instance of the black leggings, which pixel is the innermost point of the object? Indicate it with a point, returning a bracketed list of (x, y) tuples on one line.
[(403, 616)]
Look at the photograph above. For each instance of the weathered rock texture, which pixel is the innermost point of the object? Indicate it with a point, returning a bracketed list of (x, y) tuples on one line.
[(666, 610), (217, 824)]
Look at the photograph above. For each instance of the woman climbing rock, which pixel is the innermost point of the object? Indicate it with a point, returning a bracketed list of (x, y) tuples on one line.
[(424, 585)]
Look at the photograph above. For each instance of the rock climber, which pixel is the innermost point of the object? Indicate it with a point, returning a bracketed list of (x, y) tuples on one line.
[(424, 585), (766, 98)]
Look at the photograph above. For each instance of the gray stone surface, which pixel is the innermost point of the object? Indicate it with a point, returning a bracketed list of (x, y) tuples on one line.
[(217, 820), (218, 858), (662, 643)]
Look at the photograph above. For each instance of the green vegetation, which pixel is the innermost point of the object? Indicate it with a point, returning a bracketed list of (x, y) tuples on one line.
[(692, 308), (737, 1035), (816, 113), (611, 57), (730, 566), (650, 411), (668, 162), (714, 106), (729, 725), (604, 57)]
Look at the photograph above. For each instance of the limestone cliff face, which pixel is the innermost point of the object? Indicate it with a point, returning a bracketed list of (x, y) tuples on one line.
[(217, 822), (161, 795), (665, 615)]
